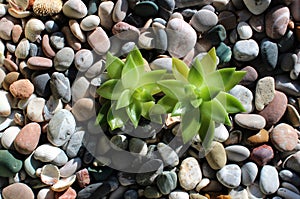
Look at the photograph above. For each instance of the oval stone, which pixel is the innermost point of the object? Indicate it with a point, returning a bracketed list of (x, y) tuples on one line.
[(249, 173), (203, 20), (277, 20), (74, 9), (9, 165), (21, 89), (237, 153), (257, 7), (63, 59), (39, 63), (17, 191), (8, 136), (99, 41), (49, 153), (230, 175), (245, 50), (84, 109), (284, 137), (262, 155), (269, 180), (189, 174), (264, 92), (28, 138), (61, 127), (166, 182), (250, 121), (216, 157), (181, 37)]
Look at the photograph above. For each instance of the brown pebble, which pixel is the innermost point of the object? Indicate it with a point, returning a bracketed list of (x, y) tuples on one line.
[(83, 109), (72, 41), (16, 33), (262, 155), (39, 63), (47, 49), (275, 109), (21, 89), (83, 178), (10, 65), (17, 191), (227, 19), (9, 79), (68, 194), (250, 77), (284, 137), (99, 41), (261, 137), (28, 138)]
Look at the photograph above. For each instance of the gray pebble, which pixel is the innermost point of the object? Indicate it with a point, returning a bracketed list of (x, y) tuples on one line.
[(203, 20), (168, 155), (249, 173), (287, 194), (178, 195), (60, 87), (61, 127), (83, 60), (74, 144), (245, 50), (138, 146), (230, 175), (88, 191), (51, 26), (63, 59), (41, 84), (290, 176), (57, 40), (131, 194), (286, 85), (269, 180), (237, 153), (288, 61), (244, 95), (70, 167)]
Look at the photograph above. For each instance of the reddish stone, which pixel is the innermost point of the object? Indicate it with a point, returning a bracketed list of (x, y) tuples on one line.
[(21, 89), (284, 137), (39, 63), (28, 138), (275, 110), (83, 178), (17, 191), (262, 155), (68, 194)]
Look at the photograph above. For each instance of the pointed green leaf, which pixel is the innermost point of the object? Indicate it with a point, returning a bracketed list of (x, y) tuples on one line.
[(101, 117), (137, 57), (208, 93), (146, 106), (114, 120), (230, 103), (209, 61), (172, 88), (134, 111), (235, 79), (178, 109), (190, 124), (214, 109), (130, 74), (167, 103), (114, 66), (180, 69), (151, 77), (142, 95), (195, 77), (124, 99), (206, 132), (196, 103), (107, 89), (220, 78)]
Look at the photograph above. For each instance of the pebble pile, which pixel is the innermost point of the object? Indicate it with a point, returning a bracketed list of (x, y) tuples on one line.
[(52, 58)]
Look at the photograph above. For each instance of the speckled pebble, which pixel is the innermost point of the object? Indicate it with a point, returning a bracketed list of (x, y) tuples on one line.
[(269, 180), (230, 175)]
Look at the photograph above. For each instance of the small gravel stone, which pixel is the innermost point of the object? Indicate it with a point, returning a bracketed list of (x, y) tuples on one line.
[(245, 50), (105, 13), (178, 195), (181, 36), (57, 40), (168, 155), (119, 11), (60, 87), (17, 191), (166, 182), (203, 20), (89, 23), (237, 153), (257, 7), (275, 109), (277, 20), (189, 173), (39, 63), (250, 121), (287, 194), (265, 92), (249, 173), (284, 137), (35, 109), (63, 59), (289, 176), (269, 180), (83, 60), (221, 133), (74, 9), (74, 144), (259, 138), (84, 109), (230, 175), (244, 30), (10, 164), (138, 146), (52, 154), (21, 89), (262, 155), (99, 41), (28, 138), (61, 127), (269, 52), (216, 157)]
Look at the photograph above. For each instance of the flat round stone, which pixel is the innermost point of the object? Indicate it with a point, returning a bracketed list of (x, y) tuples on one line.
[(250, 121), (21, 89), (269, 179), (284, 137), (230, 175), (189, 173), (39, 63)]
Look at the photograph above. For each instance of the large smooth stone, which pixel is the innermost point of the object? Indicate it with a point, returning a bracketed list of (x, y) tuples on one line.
[(250, 121), (189, 173), (49, 153), (74, 9), (99, 41), (61, 127), (9, 165), (284, 137), (249, 173), (230, 175), (216, 157), (168, 155), (17, 191), (277, 20), (245, 50), (237, 153), (166, 182), (28, 138), (264, 92), (203, 20), (181, 37), (269, 180), (257, 7)]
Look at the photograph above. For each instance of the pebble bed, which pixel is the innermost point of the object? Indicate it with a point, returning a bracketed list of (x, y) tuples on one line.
[(52, 58)]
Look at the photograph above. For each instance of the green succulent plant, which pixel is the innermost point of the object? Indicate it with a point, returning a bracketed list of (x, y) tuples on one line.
[(130, 90), (199, 95)]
